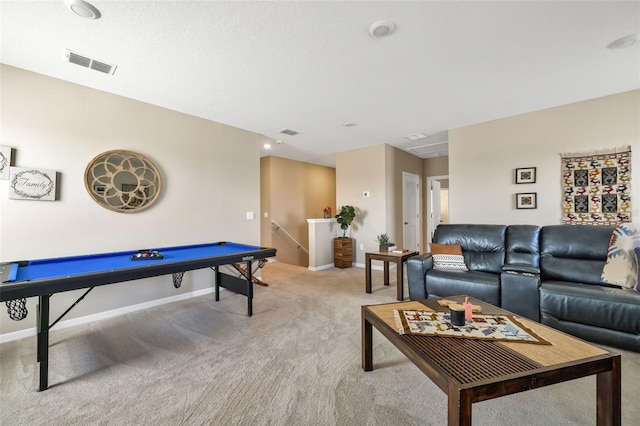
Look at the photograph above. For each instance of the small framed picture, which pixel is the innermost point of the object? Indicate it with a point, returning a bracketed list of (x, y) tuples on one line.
[(526, 175), (527, 200)]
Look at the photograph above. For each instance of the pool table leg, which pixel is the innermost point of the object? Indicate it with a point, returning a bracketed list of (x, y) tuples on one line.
[(216, 269), (249, 289), (43, 340), (240, 285)]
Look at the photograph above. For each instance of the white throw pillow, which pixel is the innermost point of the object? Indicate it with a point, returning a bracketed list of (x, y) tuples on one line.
[(449, 262), (621, 267)]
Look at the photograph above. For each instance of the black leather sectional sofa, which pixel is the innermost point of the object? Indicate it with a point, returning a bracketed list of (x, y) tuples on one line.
[(550, 274)]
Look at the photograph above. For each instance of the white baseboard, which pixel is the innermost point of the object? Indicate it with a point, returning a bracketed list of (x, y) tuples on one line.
[(30, 332), (392, 267), (321, 268)]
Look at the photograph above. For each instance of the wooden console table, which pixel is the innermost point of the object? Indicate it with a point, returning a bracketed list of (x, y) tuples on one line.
[(386, 257)]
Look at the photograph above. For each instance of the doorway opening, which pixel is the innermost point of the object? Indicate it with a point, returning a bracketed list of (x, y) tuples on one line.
[(437, 203), (411, 211)]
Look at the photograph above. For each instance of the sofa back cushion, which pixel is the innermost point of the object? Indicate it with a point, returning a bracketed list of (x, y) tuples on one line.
[(574, 252), (482, 245), (522, 245)]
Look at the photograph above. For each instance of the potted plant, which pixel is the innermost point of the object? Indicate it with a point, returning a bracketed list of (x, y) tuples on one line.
[(383, 241), (346, 215), (343, 246)]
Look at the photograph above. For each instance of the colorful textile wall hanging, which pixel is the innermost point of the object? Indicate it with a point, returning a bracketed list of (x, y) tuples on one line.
[(596, 187)]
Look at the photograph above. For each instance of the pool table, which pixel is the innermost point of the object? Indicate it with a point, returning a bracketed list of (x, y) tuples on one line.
[(45, 277)]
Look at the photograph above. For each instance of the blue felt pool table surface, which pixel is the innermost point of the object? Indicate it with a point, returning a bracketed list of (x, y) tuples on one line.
[(91, 267), (75, 265)]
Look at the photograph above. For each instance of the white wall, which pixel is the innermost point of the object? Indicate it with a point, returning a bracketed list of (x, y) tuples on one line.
[(483, 158), (210, 175)]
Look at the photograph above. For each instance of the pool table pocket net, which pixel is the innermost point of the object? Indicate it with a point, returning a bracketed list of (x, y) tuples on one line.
[(17, 309)]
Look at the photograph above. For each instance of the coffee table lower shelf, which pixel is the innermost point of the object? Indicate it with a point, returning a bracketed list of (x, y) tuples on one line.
[(471, 371)]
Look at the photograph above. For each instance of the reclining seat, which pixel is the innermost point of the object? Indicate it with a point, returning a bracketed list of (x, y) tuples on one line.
[(483, 248), (573, 297)]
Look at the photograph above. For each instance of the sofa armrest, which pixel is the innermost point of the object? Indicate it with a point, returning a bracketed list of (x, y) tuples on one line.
[(520, 293), (417, 267), (520, 268)]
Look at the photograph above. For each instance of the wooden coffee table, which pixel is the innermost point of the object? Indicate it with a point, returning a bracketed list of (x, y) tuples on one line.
[(465, 369), (388, 257)]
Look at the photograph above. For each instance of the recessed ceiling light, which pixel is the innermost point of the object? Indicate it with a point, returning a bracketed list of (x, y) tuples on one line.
[(349, 124), (267, 146), (623, 42), (381, 28), (83, 9)]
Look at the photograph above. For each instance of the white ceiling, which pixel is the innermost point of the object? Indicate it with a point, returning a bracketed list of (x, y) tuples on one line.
[(312, 66)]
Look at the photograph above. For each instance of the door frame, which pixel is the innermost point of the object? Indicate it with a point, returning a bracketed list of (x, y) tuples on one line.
[(430, 226), (411, 178)]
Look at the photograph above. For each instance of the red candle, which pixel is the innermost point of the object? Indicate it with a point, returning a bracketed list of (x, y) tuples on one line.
[(468, 310)]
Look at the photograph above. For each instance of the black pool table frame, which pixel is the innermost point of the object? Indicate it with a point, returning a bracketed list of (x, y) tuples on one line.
[(46, 288)]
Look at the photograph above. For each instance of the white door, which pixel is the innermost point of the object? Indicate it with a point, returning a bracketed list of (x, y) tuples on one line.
[(434, 209), (410, 211)]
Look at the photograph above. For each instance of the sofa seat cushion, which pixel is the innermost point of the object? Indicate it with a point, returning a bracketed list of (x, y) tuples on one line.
[(481, 285), (600, 306)]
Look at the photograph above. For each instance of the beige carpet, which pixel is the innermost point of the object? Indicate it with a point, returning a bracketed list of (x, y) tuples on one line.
[(297, 361)]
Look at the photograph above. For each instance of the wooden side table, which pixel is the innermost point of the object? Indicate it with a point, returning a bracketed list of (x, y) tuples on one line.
[(386, 257)]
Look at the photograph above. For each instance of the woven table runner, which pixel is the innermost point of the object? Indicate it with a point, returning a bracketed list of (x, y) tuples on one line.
[(483, 327)]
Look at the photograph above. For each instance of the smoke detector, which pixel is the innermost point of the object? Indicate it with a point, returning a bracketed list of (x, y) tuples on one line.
[(381, 28), (87, 62)]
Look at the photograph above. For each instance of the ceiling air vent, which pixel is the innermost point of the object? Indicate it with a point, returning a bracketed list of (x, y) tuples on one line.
[(432, 148), (78, 60), (288, 132), (87, 62), (428, 145)]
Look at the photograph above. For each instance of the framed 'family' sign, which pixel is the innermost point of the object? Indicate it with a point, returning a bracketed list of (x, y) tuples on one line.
[(5, 162), (32, 184)]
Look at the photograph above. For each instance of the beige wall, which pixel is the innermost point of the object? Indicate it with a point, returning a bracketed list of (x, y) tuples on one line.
[(436, 166), (292, 192), (210, 174), (265, 203), (398, 162), (483, 157), (357, 171), (377, 169)]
